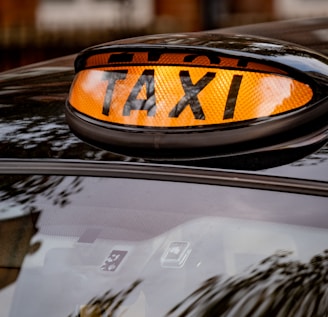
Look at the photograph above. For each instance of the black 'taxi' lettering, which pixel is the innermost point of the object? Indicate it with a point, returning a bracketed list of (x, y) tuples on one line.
[(232, 97), (111, 77), (149, 104), (214, 59), (120, 58), (190, 97)]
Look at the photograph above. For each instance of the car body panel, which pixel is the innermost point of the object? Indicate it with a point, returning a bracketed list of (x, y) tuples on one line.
[(310, 33), (87, 233), (37, 94)]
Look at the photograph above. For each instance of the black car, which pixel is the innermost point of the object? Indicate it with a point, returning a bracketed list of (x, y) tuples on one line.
[(169, 175)]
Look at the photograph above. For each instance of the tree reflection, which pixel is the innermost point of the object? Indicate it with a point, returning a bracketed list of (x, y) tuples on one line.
[(275, 287), (319, 157), (23, 191), (107, 304), (32, 119)]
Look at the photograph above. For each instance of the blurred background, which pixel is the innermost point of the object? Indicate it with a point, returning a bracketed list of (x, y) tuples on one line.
[(36, 30)]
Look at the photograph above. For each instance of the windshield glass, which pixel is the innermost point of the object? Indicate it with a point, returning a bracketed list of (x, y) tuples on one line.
[(92, 246)]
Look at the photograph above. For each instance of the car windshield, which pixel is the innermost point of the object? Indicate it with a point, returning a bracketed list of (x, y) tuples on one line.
[(96, 246)]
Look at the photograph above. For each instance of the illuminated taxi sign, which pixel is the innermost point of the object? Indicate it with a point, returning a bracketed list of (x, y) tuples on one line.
[(173, 93), (179, 102)]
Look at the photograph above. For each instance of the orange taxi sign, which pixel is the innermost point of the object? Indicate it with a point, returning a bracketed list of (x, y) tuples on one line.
[(181, 90)]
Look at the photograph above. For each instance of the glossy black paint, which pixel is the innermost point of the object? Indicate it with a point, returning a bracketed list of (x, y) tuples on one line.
[(310, 33), (33, 124), (149, 171), (32, 118)]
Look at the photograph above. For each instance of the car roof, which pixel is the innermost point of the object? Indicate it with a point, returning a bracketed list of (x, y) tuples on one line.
[(308, 32), (33, 124)]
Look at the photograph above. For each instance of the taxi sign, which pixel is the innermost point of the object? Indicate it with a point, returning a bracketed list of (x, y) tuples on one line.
[(155, 99), (171, 93)]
